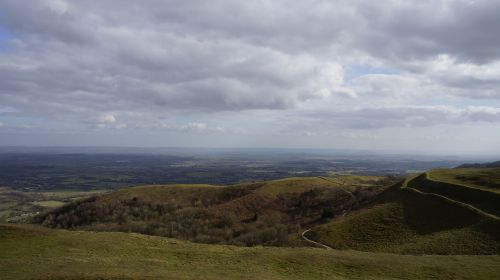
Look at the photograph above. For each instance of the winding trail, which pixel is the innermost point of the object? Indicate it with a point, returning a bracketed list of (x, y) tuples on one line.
[(342, 188), (314, 242), (404, 186), (462, 204)]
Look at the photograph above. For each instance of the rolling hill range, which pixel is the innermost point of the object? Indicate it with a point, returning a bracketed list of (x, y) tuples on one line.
[(264, 213), (495, 164), (28, 252), (442, 224), (438, 212)]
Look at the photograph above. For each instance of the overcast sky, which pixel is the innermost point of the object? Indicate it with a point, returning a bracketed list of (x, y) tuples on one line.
[(378, 75)]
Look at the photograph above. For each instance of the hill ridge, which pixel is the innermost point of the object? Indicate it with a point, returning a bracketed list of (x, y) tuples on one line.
[(490, 200), (479, 211), (408, 219)]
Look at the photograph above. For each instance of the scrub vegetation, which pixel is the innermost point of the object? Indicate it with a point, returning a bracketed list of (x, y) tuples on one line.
[(265, 213)]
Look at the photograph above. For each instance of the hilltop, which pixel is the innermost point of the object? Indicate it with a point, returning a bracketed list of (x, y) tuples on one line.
[(487, 179), (495, 164)]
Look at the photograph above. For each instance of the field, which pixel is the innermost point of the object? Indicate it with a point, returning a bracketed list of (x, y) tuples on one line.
[(81, 170), (28, 252), (19, 206)]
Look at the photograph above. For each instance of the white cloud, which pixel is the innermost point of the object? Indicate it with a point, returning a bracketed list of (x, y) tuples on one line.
[(106, 119), (58, 6), (197, 127)]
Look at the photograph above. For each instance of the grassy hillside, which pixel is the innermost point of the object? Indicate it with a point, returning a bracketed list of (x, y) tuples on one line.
[(407, 221), (28, 252), (480, 198), (303, 184), (274, 188), (482, 178), (265, 213)]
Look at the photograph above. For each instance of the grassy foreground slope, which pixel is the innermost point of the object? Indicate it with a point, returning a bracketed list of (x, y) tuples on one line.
[(405, 220), (28, 252)]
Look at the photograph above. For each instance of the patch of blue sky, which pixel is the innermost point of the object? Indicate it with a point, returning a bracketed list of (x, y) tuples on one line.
[(5, 36), (356, 70)]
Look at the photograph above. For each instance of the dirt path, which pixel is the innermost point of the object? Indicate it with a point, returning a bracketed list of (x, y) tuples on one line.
[(314, 242), (477, 210), (466, 205), (342, 185)]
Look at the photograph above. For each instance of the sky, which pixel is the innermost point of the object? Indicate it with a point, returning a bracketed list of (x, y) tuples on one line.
[(388, 75)]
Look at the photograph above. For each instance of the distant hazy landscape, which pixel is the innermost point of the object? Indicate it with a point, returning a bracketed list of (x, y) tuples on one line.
[(34, 179)]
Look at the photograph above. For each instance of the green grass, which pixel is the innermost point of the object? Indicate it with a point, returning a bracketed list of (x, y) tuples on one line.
[(479, 198), (272, 189), (36, 253), (407, 222), (70, 195), (49, 203), (481, 178)]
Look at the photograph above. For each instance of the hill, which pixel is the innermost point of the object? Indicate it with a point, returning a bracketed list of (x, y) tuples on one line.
[(480, 178), (482, 198), (495, 164), (28, 252), (264, 213), (421, 216)]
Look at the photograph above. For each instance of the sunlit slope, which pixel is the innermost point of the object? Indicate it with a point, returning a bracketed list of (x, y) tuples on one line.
[(480, 178), (38, 253), (302, 184), (407, 221), (294, 185)]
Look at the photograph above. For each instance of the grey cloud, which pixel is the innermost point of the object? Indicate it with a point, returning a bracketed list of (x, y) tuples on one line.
[(88, 58), (422, 29), (141, 65), (404, 116)]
